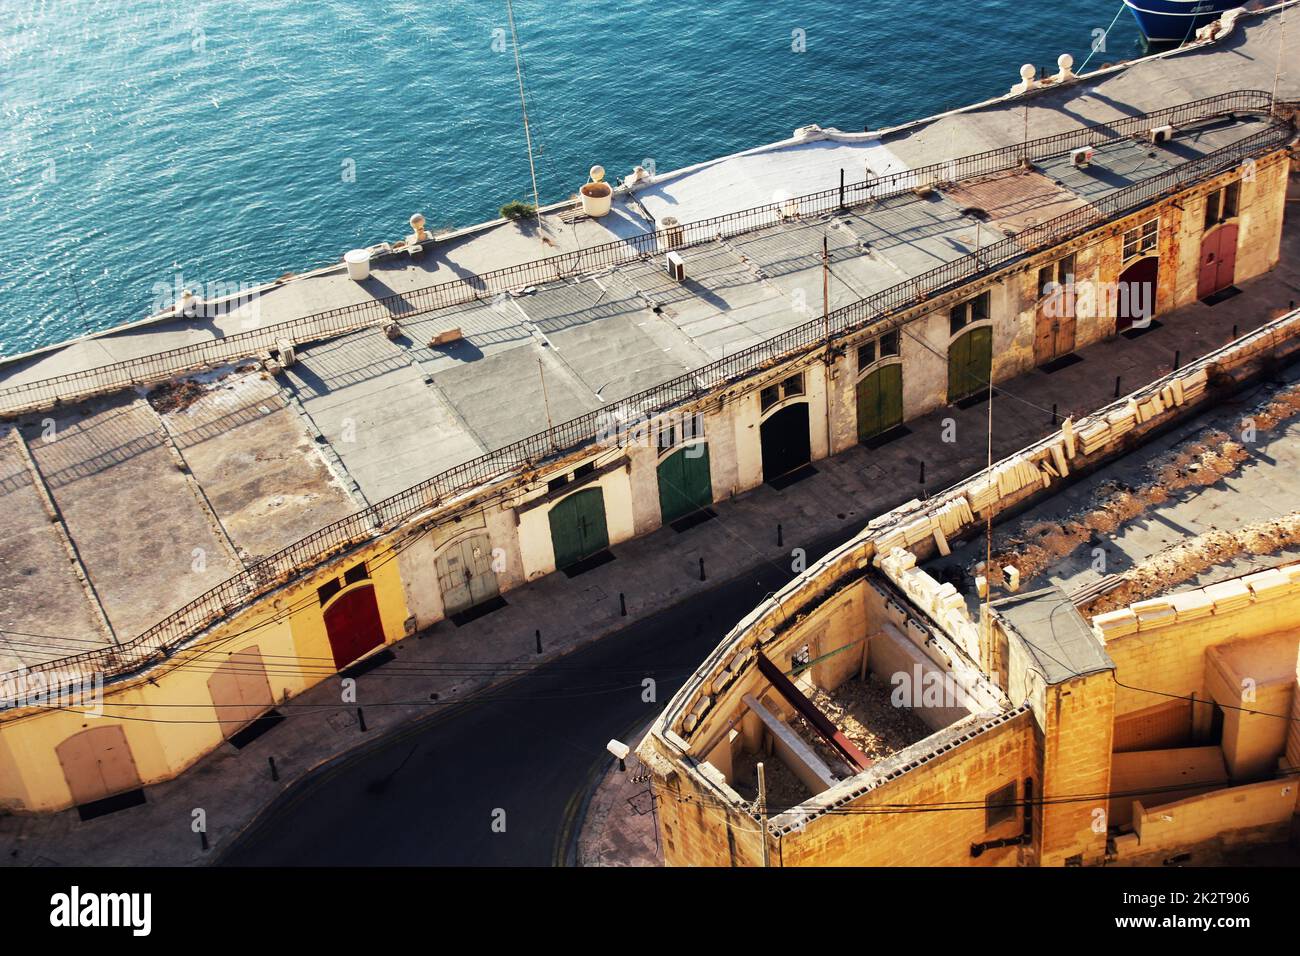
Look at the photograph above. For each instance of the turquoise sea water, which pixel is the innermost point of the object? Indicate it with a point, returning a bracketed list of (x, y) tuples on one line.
[(147, 143)]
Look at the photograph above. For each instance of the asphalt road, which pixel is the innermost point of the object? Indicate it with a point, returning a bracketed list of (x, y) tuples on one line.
[(429, 795)]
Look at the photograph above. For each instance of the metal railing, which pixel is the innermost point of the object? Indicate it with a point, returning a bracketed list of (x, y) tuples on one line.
[(881, 309), (350, 318)]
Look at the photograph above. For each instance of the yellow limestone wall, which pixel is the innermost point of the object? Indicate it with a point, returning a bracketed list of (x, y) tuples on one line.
[(169, 720)]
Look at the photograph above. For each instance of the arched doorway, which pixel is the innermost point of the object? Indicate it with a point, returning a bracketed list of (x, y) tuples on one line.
[(1218, 260), (970, 363), (685, 484), (786, 445), (1136, 295), (353, 624), (880, 401), (97, 763), (465, 574), (578, 528)]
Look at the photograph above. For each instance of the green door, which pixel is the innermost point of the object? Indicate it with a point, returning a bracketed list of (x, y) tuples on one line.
[(578, 527), (880, 401), (970, 363), (684, 482)]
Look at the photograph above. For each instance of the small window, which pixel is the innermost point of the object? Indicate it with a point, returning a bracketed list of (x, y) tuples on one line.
[(356, 573), (1141, 240), (667, 437), (1000, 806), (1212, 209), (866, 354), (1046, 281), (889, 343), (788, 388), (1059, 275), (974, 310), (1221, 205), (583, 471), (555, 484), (1231, 199), (328, 590)]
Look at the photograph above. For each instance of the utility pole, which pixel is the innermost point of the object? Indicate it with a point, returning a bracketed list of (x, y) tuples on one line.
[(762, 815), (826, 288), (546, 403)]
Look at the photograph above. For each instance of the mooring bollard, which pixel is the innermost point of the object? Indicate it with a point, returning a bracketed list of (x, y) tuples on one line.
[(275, 774), (1117, 386), (702, 578), (361, 720), (622, 605), (539, 642)]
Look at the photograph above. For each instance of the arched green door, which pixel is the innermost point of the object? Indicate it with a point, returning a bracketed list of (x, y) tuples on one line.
[(578, 527), (970, 363), (880, 401), (685, 484)]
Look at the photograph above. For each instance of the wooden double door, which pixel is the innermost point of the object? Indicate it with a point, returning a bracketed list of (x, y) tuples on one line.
[(578, 528), (465, 574), (1218, 260), (880, 401)]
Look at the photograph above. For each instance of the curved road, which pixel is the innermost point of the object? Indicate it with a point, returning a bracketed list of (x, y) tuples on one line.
[(427, 795)]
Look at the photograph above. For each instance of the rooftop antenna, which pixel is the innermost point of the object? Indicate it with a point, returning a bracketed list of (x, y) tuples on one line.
[(523, 103), (1281, 44), (546, 402)]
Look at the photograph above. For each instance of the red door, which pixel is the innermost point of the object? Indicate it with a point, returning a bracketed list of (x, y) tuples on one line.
[(353, 625), (1135, 300), (1218, 260)]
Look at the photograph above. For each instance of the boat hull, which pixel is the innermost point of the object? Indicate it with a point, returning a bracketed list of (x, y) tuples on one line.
[(1175, 21)]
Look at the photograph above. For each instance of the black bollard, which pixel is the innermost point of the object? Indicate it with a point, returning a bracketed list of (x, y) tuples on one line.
[(780, 537), (702, 577), (622, 605), (275, 774), (539, 642), (361, 720), (1117, 386)]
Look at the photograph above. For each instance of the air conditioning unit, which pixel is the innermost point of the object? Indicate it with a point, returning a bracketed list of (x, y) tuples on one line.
[(1161, 134), (285, 352), (1082, 156), (676, 266)]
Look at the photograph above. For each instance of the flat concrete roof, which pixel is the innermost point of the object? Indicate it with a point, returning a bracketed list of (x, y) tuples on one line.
[(253, 464), (1054, 634)]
